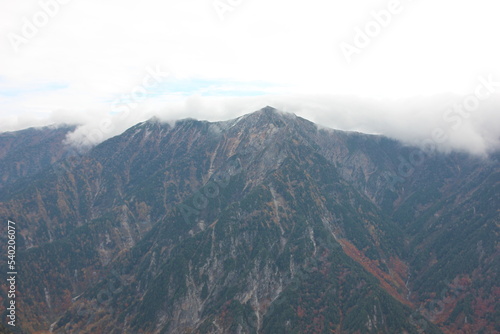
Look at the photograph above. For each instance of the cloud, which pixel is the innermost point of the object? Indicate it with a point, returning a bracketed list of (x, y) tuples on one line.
[(417, 121), (81, 56)]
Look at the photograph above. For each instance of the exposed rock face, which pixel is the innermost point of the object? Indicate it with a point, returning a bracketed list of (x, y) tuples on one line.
[(262, 224)]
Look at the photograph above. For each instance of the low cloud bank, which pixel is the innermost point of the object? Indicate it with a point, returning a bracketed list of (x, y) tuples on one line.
[(452, 123)]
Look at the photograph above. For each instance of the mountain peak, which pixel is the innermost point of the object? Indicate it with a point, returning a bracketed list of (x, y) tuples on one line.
[(270, 113), (269, 109), (154, 120), (265, 116)]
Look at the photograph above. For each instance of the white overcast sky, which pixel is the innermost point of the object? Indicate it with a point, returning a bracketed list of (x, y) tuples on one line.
[(85, 55)]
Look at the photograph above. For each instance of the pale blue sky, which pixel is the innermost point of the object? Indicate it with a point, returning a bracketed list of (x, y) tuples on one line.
[(68, 60)]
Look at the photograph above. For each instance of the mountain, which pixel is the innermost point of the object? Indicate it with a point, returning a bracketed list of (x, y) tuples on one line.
[(4, 330), (262, 224), (26, 153)]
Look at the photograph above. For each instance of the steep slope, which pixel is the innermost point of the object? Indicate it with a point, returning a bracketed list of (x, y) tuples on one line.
[(255, 250), (25, 153), (87, 209), (265, 224), (4, 330), (447, 206)]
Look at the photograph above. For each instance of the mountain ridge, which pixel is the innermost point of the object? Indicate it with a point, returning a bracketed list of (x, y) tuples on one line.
[(178, 190)]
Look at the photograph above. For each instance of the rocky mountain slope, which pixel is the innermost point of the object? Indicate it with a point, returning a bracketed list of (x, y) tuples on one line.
[(262, 224), (26, 153)]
